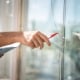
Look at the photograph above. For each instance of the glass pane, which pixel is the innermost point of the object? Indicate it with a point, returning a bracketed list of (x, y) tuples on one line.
[(8, 22), (72, 36), (8, 14), (47, 17)]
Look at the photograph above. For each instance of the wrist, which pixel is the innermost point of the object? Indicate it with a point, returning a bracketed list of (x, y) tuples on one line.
[(10, 37), (18, 36)]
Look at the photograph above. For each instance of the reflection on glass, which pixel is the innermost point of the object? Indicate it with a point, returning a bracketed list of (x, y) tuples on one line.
[(72, 46), (8, 23), (50, 16), (44, 64), (6, 15), (7, 1)]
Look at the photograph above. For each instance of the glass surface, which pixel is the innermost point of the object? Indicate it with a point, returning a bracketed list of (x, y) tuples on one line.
[(72, 42), (49, 16), (8, 22), (43, 64)]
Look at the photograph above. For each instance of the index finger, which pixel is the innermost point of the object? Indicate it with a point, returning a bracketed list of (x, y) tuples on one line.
[(44, 38)]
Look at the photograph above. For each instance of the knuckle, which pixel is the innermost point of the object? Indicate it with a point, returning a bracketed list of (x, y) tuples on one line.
[(37, 32)]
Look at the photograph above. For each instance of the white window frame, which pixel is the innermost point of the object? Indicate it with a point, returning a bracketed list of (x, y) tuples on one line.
[(20, 19)]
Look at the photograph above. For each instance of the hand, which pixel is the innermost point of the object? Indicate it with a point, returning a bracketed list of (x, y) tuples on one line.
[(35, 39)]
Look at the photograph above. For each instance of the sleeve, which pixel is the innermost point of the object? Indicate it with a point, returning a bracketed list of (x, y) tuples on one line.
[(4, 50), (7, 48)]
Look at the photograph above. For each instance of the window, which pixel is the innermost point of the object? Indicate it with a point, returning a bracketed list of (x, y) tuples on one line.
[(9, 21), (62, 57), (43, 64), (58, 62), (72, 43)]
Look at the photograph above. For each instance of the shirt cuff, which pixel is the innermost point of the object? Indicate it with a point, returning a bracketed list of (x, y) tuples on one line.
[(7, 48)]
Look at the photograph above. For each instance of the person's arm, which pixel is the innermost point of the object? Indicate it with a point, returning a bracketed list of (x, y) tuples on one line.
[(32, 39), (7, 38)]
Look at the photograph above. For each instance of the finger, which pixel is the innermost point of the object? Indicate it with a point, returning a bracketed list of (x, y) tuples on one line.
[(40, 41), (45, 38), (35, 42), (32, 45)]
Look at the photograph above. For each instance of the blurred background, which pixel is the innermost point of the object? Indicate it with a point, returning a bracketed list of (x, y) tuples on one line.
[(60, 61)]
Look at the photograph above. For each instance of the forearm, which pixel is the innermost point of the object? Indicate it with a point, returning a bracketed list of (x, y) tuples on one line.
[(32, 39), (9, 37)]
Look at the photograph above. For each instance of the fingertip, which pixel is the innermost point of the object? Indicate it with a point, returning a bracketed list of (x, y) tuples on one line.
[(49, 43), (32, 47), (41, 47)]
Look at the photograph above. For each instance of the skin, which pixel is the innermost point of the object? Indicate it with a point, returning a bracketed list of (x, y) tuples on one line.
[(33, 39)]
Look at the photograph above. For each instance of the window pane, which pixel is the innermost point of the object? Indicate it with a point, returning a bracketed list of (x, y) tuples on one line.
[(8, 14), (8, 22), (43, 64), (72, 46)]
